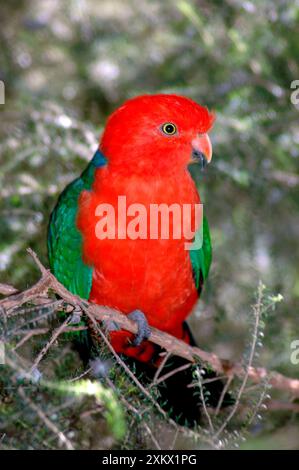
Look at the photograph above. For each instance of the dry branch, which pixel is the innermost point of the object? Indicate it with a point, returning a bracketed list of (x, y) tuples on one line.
[(47, 282)]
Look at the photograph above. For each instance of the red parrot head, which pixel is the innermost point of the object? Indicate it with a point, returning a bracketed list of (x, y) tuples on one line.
[(157, 134)]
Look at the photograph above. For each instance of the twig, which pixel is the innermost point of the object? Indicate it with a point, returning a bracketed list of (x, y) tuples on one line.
[(40, 304), (79, 377), (49, 424), (224, 390), (130, 373), (203, 401), (7, 289), (171, 344), (289, 179), (257, 311), (170, 374), (45, 349), (160, 368), (257, 406), (28, 335), (136, 413), (276, 405), (42, 331)]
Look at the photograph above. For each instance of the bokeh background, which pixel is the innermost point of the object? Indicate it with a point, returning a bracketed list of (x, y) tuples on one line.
[(67, 64)]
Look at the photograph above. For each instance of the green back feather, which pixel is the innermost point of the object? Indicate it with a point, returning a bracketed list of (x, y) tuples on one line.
[(65, 240), (201, 258)]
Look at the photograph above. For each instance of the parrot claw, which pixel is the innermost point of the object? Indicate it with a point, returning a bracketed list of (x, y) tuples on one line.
[(144, 330)]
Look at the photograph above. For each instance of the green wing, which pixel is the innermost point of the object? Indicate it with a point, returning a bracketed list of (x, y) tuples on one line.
[(65, 240), (201, 258)]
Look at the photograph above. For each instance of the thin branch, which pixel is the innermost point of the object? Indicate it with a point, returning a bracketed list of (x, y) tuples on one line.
[(79, 377), (223, 393), (135, 412), (170, 374), (160, 368), (257, 312), (276, 405), (129, 372), (7, 289), (203, 401), (48, 423), (168, 342), (42, 331), (45, 349)]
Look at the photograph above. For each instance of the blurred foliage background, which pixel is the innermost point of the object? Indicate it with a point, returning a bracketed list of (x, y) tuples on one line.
[(67, 64)]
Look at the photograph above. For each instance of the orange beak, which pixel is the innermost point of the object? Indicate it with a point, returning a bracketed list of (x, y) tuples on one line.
[(201, 150)]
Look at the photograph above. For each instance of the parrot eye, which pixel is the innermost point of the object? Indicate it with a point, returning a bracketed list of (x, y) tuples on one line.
[(169, 128)]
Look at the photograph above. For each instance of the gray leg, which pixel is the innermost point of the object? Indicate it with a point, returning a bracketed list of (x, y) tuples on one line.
[(144, 330)]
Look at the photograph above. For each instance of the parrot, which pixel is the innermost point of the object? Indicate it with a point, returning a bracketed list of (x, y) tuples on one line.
[(144, 156)]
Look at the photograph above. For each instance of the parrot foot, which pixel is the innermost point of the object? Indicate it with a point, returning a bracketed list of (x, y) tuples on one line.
[(144, 330)]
